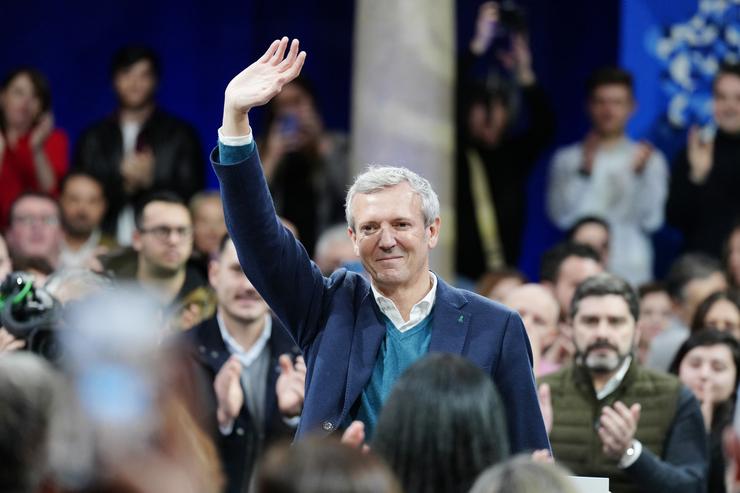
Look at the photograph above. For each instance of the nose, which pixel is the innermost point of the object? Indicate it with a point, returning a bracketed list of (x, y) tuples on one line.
[(705, 372), (387, 239)]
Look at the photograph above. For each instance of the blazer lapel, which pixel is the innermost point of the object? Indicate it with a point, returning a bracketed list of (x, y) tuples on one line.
[(368, 335), (451, 322)]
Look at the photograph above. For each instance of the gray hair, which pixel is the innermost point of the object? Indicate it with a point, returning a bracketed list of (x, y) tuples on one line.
[(523, 475), (75, 283), (335, 234), (376, 178)]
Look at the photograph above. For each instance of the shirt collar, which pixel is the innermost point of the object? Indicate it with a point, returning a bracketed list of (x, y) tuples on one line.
[(615, 381), (246, 358), (419, 311)]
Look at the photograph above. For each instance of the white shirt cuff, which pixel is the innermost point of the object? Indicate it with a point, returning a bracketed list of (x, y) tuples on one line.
[(292, 422), (238, 141), (630, 458)]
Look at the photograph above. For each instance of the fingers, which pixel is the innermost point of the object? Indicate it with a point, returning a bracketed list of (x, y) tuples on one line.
[(292, 55), (295, 69), (694, 137), (613, 423), (277, 57), (300, 365), (286, 365), (542, 455), (354, 435), (543, 392), (270, 51)]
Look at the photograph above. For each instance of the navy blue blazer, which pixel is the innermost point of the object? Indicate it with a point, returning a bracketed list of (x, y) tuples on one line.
[(336, 323)]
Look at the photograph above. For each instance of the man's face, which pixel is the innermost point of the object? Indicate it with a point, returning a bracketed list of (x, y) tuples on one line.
[(725, 316), (573, 271), (390, 236), (83, 205), (596, 236), (135, 85), (538, 309), (165, 239), (34, 229), (655, 311), (603, 332), (726, 103), (208, 225), (610, 107), (237, 298)]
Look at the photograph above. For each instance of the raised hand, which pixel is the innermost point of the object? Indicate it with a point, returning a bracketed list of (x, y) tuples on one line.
[(290, 385), (700, 156), (618, 425), (229, 393), (590, 147), (259, 83), (543, 395), (642, 154), (485, 28), (41, 131)]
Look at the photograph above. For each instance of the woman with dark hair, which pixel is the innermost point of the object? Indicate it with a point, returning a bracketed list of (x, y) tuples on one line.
[(731, 256), (442, 425), (721, 311), (708, 364), (33, 154), (322, 466)]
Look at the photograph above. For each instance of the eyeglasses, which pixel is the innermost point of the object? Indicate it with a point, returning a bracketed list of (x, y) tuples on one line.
[(163, 233), (33, 220)]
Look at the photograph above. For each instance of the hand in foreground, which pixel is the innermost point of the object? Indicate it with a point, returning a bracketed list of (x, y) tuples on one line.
[(354, 436), (618, 425), (229, 393), (9, 343), (259, 83), (291, 385)]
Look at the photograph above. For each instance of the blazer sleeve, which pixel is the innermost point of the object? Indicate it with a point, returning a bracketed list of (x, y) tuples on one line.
[(273, 260), (515, 382)]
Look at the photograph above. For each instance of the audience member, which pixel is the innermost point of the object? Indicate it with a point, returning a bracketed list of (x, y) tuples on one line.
[(75, 284), (140, 147), (496, 285), (28, 386), (239, 352), (691, 278), (33, 154), (523, 475), (731, 257), (656, 314), (563, 268), (613, 177), (334, 249), (83, 205), (209, 226), (461, 431), (708, 363), (703, 202), (34, 231), (540, 313), (364, 331), (323, 466), (500, 133), (305, 165), (594, 232), (719, 310), (649, 427)]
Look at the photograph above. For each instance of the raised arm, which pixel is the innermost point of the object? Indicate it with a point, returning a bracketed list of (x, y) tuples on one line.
[(275, 263)]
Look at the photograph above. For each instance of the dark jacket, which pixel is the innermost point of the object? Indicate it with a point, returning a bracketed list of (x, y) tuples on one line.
[(178, 155), (338, 326), (239, 450)]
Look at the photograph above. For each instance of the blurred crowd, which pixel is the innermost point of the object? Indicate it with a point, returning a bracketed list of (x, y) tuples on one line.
[(136, 355)]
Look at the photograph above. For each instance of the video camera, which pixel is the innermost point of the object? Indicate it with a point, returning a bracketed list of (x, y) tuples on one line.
[(30, 313)]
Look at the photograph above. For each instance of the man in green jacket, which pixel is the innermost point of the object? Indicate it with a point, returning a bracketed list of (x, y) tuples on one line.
[(611, 417)]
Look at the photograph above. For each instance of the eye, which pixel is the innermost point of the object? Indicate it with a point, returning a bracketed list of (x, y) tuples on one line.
[(368, 228), (403, 225)]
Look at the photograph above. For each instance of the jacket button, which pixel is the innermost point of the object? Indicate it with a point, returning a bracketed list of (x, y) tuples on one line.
[(214, 354), (240, 431), (202, 349), (327, 425)]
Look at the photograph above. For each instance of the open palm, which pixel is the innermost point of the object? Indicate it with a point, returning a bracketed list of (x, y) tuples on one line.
[(261, 81)]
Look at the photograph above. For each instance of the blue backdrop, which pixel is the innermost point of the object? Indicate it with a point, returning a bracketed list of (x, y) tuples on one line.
[(203, 44)]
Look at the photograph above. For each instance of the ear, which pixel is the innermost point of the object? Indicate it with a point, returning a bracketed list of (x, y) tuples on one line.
[(214, 268), (136, 240), (434, 232), (353, 237)]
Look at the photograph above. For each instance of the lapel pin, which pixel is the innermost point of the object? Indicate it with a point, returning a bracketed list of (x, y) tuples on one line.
[(460, 320)]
